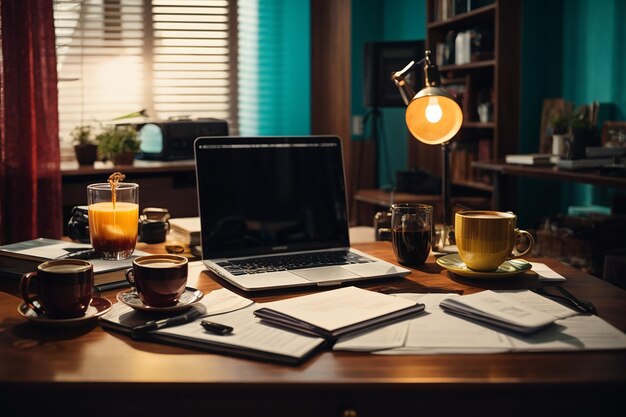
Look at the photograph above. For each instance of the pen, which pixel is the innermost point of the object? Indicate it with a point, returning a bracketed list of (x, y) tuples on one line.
[(138, 331), (220, 329)]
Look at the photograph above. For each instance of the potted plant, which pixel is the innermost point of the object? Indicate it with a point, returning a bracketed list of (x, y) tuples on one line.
[(118, 144), (561, 133), (584, 132), (85, 148)]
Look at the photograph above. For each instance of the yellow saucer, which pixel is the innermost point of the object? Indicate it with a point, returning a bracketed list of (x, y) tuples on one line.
[(512, 267)]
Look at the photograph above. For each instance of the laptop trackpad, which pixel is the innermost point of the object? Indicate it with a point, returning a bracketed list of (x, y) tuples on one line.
[(326, 273)]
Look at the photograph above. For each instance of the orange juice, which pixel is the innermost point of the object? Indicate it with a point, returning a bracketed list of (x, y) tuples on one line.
[(113, 230)]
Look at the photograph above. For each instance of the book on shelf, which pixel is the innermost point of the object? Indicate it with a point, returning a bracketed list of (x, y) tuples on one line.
[(19, 258), (497, 309), (340, 312), (186, 230), (528, 159), (584, 163), (249, 339)]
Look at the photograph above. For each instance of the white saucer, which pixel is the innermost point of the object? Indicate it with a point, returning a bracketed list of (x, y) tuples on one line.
[(97, 307), (131, 299), (512, 267)]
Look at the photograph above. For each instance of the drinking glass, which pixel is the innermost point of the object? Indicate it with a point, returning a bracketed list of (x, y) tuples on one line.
[(411, 232), (113, 224)]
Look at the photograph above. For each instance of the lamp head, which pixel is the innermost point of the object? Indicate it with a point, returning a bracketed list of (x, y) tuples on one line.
[(433, 116)]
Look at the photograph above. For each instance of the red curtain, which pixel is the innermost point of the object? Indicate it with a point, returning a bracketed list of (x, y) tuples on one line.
[(30, 176)]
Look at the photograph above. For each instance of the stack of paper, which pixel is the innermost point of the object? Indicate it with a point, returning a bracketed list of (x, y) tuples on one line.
[(339, 312), (186, 230), (499, 310), (437, 332), (250, 338)]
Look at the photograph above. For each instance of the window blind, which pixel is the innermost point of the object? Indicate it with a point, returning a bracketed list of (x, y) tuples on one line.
[(116, 57)]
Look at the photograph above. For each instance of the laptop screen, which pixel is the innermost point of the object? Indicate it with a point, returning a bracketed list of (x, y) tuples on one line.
[(270, 195)]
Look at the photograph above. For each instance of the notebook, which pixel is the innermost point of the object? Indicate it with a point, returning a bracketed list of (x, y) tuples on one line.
[(273, 213)]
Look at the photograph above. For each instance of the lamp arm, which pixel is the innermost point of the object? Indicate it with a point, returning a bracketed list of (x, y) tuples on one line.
[(398, 78)]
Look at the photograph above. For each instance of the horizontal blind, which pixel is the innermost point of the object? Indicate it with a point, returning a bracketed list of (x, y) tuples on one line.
[(117, 57), (191, 60), (99, 60)]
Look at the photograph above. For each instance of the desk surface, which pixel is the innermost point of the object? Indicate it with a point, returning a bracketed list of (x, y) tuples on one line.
[(93, 363)]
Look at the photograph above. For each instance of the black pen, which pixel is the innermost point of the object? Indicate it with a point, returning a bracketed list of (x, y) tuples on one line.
[(138, 331), (219, 329)]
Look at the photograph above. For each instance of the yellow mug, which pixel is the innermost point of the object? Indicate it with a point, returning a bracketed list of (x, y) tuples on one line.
[(485, 239)]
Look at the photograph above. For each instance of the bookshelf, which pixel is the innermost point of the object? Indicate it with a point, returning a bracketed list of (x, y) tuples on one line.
[(485, 74)]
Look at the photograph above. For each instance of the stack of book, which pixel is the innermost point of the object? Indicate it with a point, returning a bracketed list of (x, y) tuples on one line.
[(528, 159), (19, 258), (185, 230)]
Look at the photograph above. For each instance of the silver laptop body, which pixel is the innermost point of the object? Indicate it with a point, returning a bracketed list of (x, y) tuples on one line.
[(273, 213)]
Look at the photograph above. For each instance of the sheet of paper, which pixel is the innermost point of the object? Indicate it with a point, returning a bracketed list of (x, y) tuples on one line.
[(538, 302), (386, 337), (248, 333), (216, 302), (339, 308), (392, 336), (573, 333), (492, 304), (546, 273)]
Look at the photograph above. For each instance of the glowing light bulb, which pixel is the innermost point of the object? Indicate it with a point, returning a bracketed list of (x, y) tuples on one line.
[(433, 110)]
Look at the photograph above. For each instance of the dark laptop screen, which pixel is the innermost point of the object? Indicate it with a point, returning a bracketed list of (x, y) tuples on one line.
[(270, 195)]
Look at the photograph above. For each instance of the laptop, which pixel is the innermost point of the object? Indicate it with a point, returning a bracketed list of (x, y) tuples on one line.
[(273, 213)]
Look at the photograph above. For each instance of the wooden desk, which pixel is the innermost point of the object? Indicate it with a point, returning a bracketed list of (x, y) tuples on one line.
[(100, 373)]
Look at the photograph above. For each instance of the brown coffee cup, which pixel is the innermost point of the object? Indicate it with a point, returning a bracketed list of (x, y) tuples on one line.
[(485, 239), (62, 288), (159, 280)]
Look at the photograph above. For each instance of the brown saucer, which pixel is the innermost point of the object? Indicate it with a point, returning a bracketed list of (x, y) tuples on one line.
[(131, 299), (97, 307)]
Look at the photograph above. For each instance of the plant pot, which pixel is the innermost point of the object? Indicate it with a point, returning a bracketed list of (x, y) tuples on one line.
[(581, 140), (124, 158), (86, 154)]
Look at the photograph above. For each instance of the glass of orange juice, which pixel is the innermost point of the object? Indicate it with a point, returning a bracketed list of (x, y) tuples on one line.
[(113, 219)]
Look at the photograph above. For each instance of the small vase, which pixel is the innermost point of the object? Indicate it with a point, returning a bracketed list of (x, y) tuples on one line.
[(124, 158), (86, 154)]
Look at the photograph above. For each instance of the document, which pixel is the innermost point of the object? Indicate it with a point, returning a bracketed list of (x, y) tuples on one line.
[(546, 273), (339, 312), (437, 332), (514, 311), (573, 333), (250, 338)]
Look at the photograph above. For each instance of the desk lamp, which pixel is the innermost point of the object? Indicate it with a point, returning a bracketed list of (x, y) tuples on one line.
[(433, 117)]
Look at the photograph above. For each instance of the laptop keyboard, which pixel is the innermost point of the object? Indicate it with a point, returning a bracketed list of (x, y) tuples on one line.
[(288, 262)]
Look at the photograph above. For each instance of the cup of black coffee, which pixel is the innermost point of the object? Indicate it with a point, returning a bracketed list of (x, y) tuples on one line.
[(159, 280), (411, 232), (59, 289)]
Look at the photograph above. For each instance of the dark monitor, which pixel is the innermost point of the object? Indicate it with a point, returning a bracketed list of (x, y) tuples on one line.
[(272, 194)]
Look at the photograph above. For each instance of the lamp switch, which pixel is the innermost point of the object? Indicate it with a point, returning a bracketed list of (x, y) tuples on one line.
[(357, 125)]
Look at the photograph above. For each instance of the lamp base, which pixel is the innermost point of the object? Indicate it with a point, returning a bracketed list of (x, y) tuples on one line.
[(443, 239)]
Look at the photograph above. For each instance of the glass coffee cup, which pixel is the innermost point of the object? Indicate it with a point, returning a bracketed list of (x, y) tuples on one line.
[(411, 232), (113, 220)]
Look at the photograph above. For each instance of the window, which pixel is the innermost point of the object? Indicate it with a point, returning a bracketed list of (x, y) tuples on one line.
[(169, 57)]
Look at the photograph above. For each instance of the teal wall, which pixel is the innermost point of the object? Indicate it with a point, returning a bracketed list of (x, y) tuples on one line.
[(573, 49), (274, 76), (374, 21)]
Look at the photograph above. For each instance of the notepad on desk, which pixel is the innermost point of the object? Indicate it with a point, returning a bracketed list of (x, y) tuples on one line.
[(249, 339), (499, 310), (335, 313)]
